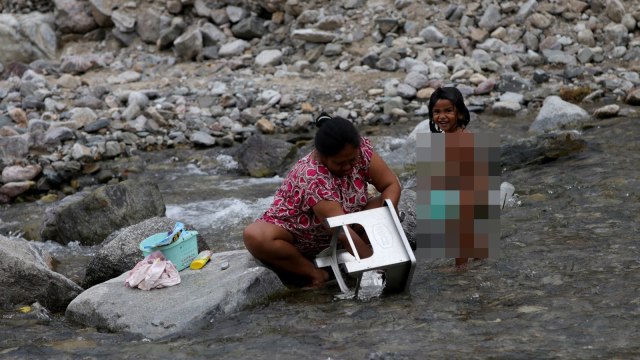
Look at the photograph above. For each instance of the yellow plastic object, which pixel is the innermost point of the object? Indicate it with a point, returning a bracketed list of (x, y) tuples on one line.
[(201, 260), (25, 309)]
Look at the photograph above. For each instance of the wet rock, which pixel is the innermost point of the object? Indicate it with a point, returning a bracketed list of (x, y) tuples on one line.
[(21, 259), (249, 28), (114, 307), (506, 108), (201, 138), (262, 156), (189, 44), (73, 16), (313, 36), (514, 82), (91, 218), (633, 98), (607, 111), (68, 81), (120, 251), (557, 114), (233, 48), (540, 149), (20, 173), (269, 57)]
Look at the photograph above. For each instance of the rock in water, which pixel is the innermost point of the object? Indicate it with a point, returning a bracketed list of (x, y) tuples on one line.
[(163, 312), (91, 218), (557, 114), (26, 277)]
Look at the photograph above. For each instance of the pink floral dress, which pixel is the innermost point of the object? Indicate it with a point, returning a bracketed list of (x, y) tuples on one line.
[(309, 182)]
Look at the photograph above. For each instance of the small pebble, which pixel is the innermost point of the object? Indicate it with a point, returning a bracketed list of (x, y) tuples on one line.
[(224, 266)]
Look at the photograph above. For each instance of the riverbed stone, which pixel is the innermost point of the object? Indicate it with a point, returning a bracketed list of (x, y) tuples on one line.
[(90, 219), (163, 312), (313, 36), (607, 111), (262, 156), (73, 16), (249, 28), (21, 259), (20, 173), (269, 57), (16, 188), (201, 138), (189, 44), (120, 251), (14, 147), (233, 48), (540, 149), (557, 114)]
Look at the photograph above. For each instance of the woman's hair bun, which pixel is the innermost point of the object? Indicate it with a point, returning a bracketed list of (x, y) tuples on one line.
[(322, 118)]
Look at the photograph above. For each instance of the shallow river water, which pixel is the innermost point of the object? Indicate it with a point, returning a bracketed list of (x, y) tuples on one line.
[(567, 284)]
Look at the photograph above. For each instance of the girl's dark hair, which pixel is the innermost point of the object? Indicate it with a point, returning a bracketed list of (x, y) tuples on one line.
[(334, 133), (455, 96)]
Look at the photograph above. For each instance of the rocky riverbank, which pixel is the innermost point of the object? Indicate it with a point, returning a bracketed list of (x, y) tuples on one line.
[(86, 81)]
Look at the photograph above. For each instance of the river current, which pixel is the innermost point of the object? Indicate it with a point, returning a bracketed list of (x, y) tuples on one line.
[(567, 284)]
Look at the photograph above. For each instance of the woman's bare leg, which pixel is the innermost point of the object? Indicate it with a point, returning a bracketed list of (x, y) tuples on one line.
[(273, 245)]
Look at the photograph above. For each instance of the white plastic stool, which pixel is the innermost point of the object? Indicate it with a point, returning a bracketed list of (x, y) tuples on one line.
[(391, 250)]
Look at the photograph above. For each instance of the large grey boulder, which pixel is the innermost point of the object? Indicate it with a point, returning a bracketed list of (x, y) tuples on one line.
[(26, 277), (203, 296), (93, 217), (540, 149), (25, 38), (120, 251), (262, 156), (557, 114)]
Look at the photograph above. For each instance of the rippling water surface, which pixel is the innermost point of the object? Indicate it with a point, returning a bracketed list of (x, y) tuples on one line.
[(567, 285)]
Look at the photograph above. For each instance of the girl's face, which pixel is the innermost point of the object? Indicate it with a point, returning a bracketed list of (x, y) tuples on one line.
[(343, 162), (445, 115)]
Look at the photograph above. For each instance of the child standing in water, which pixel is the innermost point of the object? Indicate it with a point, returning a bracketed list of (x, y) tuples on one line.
[(448, 114)]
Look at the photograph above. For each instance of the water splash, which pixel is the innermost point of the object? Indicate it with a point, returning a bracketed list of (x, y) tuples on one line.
[(218, 213)]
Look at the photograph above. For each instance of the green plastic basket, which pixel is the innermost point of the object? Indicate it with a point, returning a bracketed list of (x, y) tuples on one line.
[(181, 253)]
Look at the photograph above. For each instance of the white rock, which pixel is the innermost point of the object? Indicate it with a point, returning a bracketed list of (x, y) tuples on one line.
[(269, 57), (558, 114)]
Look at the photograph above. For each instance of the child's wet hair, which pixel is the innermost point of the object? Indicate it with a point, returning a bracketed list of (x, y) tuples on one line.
[(333, 134), (455, 96)]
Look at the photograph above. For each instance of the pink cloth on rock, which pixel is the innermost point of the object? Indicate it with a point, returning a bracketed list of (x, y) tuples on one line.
[(154, 272), (309, 182)]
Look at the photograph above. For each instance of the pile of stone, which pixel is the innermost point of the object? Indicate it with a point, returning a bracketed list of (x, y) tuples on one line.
[(122, 81)]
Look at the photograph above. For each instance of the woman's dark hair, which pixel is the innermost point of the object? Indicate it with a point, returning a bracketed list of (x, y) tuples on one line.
[(455, 96), (334, 133)]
